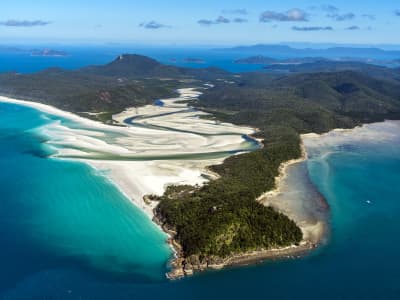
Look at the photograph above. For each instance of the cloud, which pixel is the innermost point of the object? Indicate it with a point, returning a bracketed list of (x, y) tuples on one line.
[(341, 17), (293, 15), (206, 22), (240, 20), (152, 25), (335, 13), (369, 16), (219, 20), (312, 28), (24, 23), (326, 8), (239, 11), (329, 8), (353, 28)]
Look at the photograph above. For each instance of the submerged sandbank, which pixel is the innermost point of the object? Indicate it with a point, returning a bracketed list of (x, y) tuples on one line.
[(332, 141), (296, 197), (146, 156), (295, 194)]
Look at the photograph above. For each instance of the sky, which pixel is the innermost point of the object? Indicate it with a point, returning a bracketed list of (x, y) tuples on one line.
[(205, 22)]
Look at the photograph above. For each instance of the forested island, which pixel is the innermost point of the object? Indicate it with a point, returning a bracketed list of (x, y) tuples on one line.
[(222, 218)]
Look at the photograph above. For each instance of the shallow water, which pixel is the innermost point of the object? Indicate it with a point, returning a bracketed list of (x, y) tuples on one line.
[(56, 213)]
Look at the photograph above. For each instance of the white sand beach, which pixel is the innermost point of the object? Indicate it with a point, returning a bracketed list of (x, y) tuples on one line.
[(175, 148), (296, 197)]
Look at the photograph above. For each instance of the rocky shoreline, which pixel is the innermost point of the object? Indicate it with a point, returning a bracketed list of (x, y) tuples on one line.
[(182, 266)]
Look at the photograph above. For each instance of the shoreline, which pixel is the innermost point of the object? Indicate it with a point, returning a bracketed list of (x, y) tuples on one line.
[(314, 228), (136, 179), (180, 269), (376, 132), (283, 172)]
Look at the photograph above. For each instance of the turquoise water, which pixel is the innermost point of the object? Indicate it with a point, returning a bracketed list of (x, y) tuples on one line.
[(61, 214), (67, 233)]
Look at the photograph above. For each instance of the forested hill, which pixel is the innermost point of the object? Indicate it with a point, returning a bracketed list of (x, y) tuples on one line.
[(130, 80), (319, 66), (332, 52), (138, 66), (310, 102)]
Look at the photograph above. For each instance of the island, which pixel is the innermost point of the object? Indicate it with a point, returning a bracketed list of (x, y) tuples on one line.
[(264, 60), (48, 53), (194, 60), (229, 216)]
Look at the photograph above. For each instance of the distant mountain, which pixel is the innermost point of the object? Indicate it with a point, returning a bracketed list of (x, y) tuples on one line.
[(334, 52), (129, 80), (138, 66), (374, 71), (264, 60), (132, 65)]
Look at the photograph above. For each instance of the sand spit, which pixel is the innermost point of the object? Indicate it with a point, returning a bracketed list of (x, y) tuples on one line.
[(142, 159)]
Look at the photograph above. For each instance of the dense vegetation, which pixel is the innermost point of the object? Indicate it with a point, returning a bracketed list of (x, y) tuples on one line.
[(321, 65), (130, 80), (223, 217), (76, 91)]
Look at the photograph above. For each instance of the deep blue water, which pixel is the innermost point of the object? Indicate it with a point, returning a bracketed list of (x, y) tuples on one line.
[(67, 233), (79, 57)]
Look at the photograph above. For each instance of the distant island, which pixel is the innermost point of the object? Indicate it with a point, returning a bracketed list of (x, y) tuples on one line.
[(224, 221), (34, 52), (194, 60), (48, 53), (287, 62), (332, 52), (264, 60)]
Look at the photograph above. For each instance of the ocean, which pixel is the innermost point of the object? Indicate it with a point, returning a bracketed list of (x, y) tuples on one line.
[(22, 61), (68, 233)]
